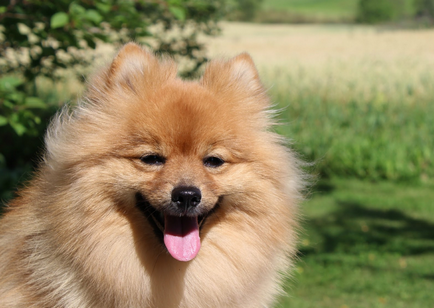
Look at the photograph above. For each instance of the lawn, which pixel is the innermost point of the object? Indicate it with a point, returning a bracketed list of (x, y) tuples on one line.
[(335, 8), (365, 245), (359, 102), (356, 100), (305, 11)]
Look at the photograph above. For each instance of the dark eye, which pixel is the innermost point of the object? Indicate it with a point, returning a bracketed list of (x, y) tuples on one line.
[(153, 159), (213, 162)]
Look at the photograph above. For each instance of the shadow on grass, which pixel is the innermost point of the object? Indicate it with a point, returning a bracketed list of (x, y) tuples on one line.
[(323, 187), (355, 228)]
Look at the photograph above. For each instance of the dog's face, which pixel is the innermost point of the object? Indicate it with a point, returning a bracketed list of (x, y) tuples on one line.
[(183, 160), (175, 150)]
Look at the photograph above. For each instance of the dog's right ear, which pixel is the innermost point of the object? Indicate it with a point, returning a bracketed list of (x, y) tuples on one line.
[(239, 73), (132, 61)]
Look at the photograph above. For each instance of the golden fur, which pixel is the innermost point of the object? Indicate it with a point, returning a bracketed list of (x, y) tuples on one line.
[(75, 237)]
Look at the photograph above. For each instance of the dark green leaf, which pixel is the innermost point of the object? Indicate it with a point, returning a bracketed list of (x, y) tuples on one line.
[(59, 20), (3, 121), (16, 97), (103, 7), (76, 9), (93, 16), (34, 102), (19, 128), (178, 12), (8, 104), (8, 83)]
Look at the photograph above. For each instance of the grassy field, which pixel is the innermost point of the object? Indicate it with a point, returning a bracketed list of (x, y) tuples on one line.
[(327, 8), (365, 245), (308, 11), (360, 103)]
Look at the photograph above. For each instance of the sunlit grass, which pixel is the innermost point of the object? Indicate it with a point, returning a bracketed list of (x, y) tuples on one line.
[(365, 245), (356, 100), (367, 132), (335, 8)]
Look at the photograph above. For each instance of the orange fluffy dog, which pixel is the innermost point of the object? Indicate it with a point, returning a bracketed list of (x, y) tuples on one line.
[(156, 192)]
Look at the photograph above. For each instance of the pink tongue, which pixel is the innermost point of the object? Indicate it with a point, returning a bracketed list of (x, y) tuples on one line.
[(181, 237)]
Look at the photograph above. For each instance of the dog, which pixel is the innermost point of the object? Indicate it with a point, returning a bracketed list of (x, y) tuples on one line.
[(156, 192)]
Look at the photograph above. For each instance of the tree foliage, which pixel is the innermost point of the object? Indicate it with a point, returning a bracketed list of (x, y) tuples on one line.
[(425, 8), (42, 38), (244, 10), (374, 11), (378, 11)]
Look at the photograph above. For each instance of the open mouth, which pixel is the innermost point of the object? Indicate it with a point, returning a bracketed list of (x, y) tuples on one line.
[(179, 233)]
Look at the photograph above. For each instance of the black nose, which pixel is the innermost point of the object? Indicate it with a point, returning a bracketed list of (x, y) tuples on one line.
[(186, 197)]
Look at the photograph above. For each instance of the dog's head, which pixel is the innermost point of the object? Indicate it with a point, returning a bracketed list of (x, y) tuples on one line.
[(175, 150)]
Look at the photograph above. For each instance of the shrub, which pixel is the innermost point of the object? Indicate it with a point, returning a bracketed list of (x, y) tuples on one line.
[(425, 8), (379, 11), (41, 38), (243, 10), (374, 11)]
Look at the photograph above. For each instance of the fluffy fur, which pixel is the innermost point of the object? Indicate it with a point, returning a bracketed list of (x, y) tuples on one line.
[(75, 236)]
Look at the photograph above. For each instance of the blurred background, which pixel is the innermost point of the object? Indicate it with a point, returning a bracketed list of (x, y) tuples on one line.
[(354, 82)]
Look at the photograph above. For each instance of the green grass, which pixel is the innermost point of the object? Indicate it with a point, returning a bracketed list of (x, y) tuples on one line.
[(335, 8), (365, 140), (307, 11), (365, 245), (380, 136)]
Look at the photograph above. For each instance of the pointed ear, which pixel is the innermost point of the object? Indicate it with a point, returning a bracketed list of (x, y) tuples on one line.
[(243, 70), (132, 61), (240, 72)]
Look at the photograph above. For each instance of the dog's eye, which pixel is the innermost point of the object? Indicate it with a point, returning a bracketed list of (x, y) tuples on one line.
[(213, 162), (153, 159)]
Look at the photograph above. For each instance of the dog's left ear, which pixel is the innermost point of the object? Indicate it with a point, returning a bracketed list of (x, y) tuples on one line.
[(239, 72), (132, 60)]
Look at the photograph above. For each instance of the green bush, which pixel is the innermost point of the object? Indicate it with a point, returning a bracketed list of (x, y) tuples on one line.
[(243, 10), (374, 11), (380, 11), (425, 8), (43, 38), (17, 109), (23, 120)]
